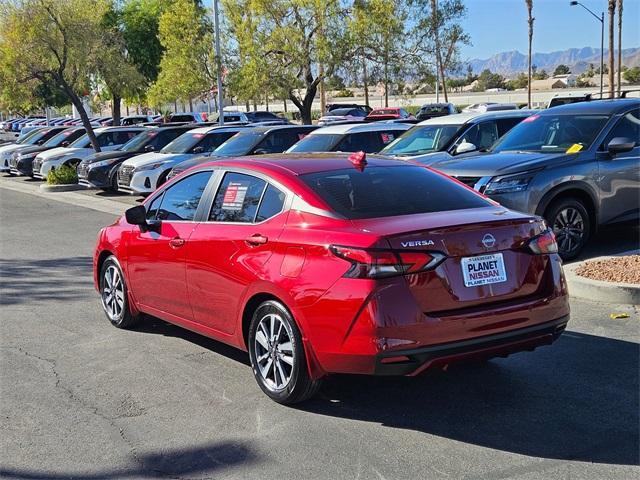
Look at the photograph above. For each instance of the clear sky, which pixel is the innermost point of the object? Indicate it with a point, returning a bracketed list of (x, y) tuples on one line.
[(501, 25)]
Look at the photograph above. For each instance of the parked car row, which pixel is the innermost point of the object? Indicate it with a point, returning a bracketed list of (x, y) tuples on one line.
[(576, 165)]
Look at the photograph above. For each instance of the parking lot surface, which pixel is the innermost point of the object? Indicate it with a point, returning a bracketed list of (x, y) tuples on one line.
[(81, 399)]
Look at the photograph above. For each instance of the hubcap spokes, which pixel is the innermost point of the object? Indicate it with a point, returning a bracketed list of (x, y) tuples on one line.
[(568, 228), (274, 351), (113, 293)]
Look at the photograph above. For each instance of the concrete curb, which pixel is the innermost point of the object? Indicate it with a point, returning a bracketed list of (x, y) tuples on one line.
[(70, 197), (599, 291), (61, 188)]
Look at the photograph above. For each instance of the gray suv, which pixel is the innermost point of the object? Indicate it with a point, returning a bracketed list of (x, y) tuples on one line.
[(577, 165)]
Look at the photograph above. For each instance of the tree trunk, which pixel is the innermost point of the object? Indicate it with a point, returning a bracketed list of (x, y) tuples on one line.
[(436, 28), (116, 110), (246, 104), (444, 83), (365, 80), (190, 104), (284, 103), (305, 105), (77, 102), (612, 66), (255, 105), (323, 95), (266, 101), (530, 21), (386, 79), (620, 2)]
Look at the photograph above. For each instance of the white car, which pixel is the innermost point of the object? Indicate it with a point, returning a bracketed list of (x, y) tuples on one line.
[(109, 138), (36, 137), (144, 173), (366, 137)]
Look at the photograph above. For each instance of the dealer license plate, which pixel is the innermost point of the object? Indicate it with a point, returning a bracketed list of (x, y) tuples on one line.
[(483, 270)]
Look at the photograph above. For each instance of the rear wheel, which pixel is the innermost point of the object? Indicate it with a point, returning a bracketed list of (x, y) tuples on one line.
[(277, 355), (113, 292), (571, 225)]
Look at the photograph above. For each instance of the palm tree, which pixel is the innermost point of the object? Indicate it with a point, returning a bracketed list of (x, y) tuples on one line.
[(612, 66), (620, 2), (531, 19)]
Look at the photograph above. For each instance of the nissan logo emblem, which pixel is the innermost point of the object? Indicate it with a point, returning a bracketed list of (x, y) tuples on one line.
[(488, 240)]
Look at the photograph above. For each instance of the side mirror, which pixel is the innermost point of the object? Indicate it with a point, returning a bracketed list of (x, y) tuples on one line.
[(260, 151), (136, 215), (465, 147), (620, 145), (65, 144), (39, 142), (149, 148), (198, 150)]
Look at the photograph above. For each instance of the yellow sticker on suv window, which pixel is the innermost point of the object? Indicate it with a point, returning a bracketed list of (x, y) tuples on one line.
[(575, 148)]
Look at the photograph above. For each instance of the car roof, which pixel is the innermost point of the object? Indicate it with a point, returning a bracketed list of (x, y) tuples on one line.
[(304, 163), (608, 106), (271, 128), (120, 127), (345, 128), (465, 117), (212, 128)]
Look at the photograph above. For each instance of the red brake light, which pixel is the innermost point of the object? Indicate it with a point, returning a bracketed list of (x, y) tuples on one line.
[(543, 243), (385, 263)]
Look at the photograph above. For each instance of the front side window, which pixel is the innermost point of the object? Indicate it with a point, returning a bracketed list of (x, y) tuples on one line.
[(180, 201), (482, 135), (237, 199), (320, 142), (184, 143), (627, 127), (213, 140), (240, 144)]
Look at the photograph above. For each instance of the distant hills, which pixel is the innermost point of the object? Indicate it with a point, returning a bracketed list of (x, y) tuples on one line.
[(578, 59)]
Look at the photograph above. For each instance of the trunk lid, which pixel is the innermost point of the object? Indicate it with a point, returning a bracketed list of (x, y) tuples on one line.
[(473, 240)]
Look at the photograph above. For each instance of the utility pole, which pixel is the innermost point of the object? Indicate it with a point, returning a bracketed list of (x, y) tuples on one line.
[(600, 18), (218, 62)]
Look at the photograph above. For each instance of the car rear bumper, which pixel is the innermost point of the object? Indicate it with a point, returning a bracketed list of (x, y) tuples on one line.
[(415, 361)]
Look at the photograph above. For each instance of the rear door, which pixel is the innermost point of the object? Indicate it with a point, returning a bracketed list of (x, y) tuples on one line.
[(230, 250), (619, 175), (156, 258)]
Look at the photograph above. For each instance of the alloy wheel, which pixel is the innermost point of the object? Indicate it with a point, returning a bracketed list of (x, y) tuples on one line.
[(274, 351), (569, 229), (113, 293)]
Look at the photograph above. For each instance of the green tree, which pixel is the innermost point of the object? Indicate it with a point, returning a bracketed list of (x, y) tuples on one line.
[(632, 75), (300, 42), (540, 75), (55, 43), (487, 80), (437, 33), (187, 68), (561, 70), (377, 28)]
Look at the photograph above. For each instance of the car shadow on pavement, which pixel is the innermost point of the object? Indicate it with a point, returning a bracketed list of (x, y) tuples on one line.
[(59, 279), (577, 400), (193, 461), (612, 240)]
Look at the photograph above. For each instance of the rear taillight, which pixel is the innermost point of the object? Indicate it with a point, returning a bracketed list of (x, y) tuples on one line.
[(543, 243), (378, 263)]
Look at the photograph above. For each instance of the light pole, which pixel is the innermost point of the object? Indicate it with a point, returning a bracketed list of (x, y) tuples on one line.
[(218, 62), (601, 20)]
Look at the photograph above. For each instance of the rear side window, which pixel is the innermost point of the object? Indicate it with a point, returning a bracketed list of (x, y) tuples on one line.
[(272, 203), (506, 124), (213, 140), (390, 191), (278, 141), (180, 201), (237, 199)]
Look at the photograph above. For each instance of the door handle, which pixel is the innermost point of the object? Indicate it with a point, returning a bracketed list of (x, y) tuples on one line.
[(176, 242), (256, 239)]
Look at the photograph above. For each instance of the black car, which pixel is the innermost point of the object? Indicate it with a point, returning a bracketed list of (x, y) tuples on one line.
[(100, 169), (21, 162), (335, 106), (432, 110), (266, 118), (252, 141)]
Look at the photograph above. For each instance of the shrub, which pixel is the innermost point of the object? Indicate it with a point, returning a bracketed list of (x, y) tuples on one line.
[(63, 175), (345, 93)]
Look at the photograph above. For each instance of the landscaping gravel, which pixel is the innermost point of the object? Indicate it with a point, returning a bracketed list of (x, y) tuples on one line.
[(624, 269)]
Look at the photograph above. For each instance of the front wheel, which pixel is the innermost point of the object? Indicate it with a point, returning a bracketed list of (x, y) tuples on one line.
[(114, 294), (571, 225), (277, 355)]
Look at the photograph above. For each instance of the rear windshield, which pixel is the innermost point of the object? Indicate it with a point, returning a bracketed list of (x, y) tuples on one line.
[(390, 191)]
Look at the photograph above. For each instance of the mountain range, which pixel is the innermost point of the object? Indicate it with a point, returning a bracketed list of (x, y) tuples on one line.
[(577, 59)]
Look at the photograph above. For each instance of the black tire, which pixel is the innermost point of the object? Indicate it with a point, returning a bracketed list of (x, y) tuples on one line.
[(118, 313), (113, 183), (299, 386), (571, 224)]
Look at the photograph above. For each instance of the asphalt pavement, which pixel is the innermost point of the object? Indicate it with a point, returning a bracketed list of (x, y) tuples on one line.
[(82, 399)]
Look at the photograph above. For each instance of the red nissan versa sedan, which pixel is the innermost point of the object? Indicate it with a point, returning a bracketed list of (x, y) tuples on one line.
[(328, 263)]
